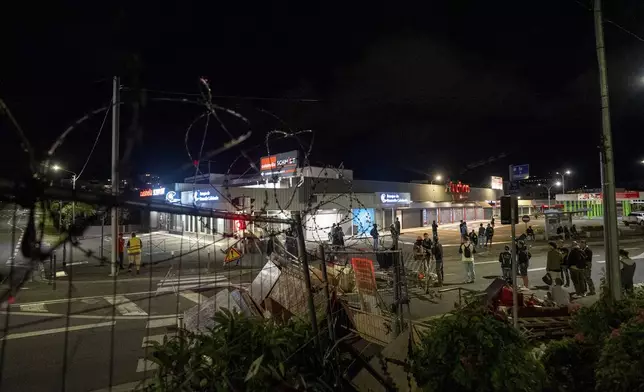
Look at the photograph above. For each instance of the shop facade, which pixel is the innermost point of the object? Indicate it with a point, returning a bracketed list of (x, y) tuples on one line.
[(590, 204)]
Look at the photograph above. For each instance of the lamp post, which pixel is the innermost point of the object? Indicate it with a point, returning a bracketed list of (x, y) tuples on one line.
[(549, 188), (563, 179), (437, 177), (74, 176)]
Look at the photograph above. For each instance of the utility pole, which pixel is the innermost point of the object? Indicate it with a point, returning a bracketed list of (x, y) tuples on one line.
[(513, 252), (116, 112), (608, 184)]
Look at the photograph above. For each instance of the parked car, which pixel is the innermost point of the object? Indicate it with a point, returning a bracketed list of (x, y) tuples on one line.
[(634, 218)]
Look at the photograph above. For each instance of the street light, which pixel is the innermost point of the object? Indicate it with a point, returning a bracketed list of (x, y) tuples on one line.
[(437, 177), (563, 183), (558, 183), (74, 175)]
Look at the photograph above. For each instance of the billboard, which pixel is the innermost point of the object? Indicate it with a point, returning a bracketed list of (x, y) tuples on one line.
[(496, 183), (397, 198), (363, 220), (282, 165), (519, 172)]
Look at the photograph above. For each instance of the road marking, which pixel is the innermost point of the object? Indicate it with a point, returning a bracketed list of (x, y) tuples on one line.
[(537, 269), (89, 316), (486, 262), (145, 364), (155, 339), (162, 322), (125, 306), (57, 330), (77, 263), (194, 297), (37, 307)]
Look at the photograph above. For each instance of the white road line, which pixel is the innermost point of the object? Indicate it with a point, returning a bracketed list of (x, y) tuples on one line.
[(162, 322), (125, 306), (486, 262), (144, 365), (194, 279), (37, 307), (194, 297), (57, 330), (187, 287), (89, 316), (536, 269)]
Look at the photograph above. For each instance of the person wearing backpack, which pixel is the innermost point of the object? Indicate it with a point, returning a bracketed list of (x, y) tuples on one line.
[(467, 251), (554, 260), (505, 258), (437, 251)]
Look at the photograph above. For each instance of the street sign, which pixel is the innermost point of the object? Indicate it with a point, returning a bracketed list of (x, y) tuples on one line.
[(525, 218), (232, 254), (519, 172)]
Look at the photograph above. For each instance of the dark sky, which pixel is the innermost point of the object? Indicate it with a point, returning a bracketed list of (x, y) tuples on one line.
[(402, 89)]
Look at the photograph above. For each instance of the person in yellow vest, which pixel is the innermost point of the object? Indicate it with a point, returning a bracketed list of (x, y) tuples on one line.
[(134, 246)]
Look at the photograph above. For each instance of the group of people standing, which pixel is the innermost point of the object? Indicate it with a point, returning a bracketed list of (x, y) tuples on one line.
[(336, 235), (572, 264), (430, 249), (523, 263), (481, 239)]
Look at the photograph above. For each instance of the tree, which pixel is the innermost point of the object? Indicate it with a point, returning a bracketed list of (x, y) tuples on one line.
[(79, 209)]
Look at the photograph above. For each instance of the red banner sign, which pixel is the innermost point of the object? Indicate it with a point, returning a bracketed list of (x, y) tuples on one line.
[(365, 275), (145, 193)]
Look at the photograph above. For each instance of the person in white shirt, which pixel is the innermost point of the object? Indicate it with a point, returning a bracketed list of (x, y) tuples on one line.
[(467, 251), (560, 296)]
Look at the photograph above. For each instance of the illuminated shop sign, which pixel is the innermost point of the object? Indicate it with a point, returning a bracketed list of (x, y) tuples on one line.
[(171, 197), (458, 187), (497, 183), (204, 196), (394, 198), (283, 164), (152, 192)]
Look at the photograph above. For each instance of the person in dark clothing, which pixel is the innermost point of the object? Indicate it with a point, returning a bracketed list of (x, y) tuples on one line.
[(523, 261), (427, 246), (434, 230), (489, 233), (530, 233), (397, 225), (565, 267), (627, 271), (394, 237), (587, 273), (505, 258), (437, 251), (474, 238), (566, 232), (573, 232), (482, 237), (270, 246), (577, 263), (560, 232), (375, 235)]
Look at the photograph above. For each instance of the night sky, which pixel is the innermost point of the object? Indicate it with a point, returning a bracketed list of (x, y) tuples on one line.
[(392, 90)]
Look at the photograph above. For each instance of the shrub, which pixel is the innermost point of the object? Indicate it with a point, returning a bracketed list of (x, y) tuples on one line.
[(570, 365), (622, 359), (242, 353), (474, 351), (596, 322)]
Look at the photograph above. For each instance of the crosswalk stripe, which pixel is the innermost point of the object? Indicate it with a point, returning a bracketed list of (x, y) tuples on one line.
[(125, 306), (145, 364), (193, 279), (194, 297), (203, 286), (38, 307), (162, 322)]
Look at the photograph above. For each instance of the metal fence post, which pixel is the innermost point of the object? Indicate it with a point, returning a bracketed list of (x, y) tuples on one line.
[(325, 276), (307, 277), (396, 277)]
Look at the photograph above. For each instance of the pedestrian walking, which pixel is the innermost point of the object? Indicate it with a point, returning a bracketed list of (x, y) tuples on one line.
[(553, 262), (577, 263), (627, 271), (437, 251), (121, 250), (467, 251), (505, 258), (374, 234), (489, 233), (134, 246), (397, 224), (434, 231), (482, 236), (588, 254)]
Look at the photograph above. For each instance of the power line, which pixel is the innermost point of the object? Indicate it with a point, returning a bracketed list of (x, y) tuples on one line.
[(624, 29), (95, 142), (238, 97)]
